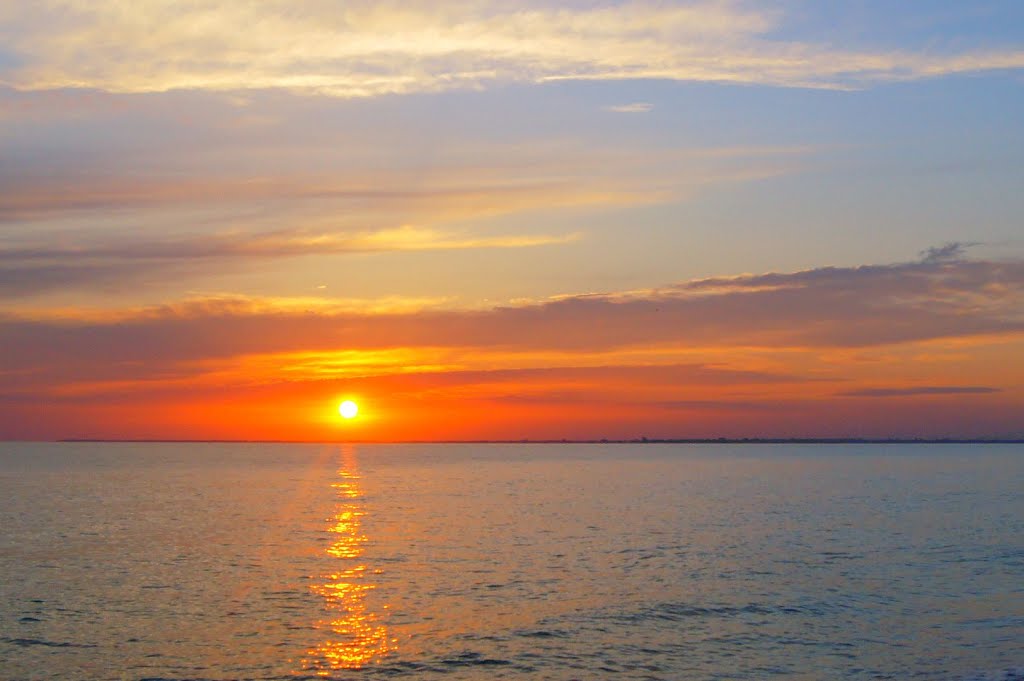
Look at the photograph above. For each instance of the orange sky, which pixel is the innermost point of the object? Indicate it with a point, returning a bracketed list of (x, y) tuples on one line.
[(922, 348)]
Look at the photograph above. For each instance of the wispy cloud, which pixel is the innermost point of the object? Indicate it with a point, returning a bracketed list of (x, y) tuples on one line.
[(68, 228), (635, 107), (922, 390), (37, 267), (276, 244), (30, 198), (368, 48), (954, 250), (482, 179)]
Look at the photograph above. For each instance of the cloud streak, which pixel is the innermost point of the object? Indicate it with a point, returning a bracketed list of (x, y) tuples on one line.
[(635, 107), (922, 390), (954, 250), (36, 268), (481, 179), (365, 48)]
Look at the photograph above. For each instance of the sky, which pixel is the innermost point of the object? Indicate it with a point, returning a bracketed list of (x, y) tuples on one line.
[(507, 220)]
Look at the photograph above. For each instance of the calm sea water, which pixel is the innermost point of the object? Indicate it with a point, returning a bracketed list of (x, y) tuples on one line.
[(252, 561)]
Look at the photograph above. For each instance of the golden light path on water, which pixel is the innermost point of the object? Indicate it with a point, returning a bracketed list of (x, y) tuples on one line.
[(356, 636)]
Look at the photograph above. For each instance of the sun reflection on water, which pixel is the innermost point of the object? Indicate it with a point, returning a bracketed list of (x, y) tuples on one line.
[(356, 635)]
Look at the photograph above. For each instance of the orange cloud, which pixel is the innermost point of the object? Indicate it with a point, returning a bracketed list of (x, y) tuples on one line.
[(839, 348)]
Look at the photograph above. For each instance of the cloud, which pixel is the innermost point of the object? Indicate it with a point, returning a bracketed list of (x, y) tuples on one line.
[(724, 405), (921, 390), (276, 244), (564, 398), (28, 198), (746, 355), (66, 227), (953, 250), (367, 48), (396, 372), (39, 267), (635, 107), (377, 179), (822, 308)]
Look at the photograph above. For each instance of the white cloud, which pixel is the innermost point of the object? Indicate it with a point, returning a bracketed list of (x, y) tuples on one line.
[(367, 48)]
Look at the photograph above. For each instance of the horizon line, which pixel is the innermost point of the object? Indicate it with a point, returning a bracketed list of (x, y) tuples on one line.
[(598, 441)]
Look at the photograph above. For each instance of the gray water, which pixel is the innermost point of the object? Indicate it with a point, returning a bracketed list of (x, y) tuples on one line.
[(274, 561)]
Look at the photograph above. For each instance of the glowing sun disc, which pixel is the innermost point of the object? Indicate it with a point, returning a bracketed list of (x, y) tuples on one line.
[(348, 409)]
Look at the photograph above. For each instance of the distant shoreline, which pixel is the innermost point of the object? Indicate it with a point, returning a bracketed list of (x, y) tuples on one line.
[(695, 441)]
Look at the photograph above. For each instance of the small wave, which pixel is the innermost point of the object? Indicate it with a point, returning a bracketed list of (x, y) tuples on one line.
[(674, 612), (1006, 674), (25, 642), (395, 668), (542, 633), (473, 659)]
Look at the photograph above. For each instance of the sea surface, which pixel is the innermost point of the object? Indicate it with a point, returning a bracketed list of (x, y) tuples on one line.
[(646, 561)]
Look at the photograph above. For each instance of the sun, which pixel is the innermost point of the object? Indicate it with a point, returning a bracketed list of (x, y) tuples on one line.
[(348, 409)]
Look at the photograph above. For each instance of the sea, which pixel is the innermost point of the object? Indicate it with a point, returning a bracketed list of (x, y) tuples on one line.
[(217, 561)]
